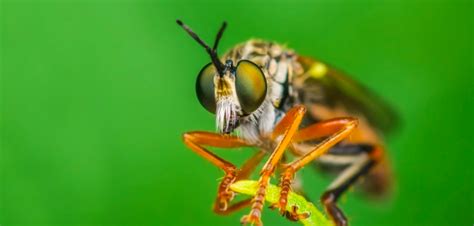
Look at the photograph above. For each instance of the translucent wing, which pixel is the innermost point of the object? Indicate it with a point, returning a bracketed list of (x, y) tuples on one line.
[(325, 85)]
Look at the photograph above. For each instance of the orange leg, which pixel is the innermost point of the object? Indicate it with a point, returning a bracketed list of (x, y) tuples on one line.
[(250, 165), (335, 130), (234, 207), (244, 173), (282, 135), (196, 140)]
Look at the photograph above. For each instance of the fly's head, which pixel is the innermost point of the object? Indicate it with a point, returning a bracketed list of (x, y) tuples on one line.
[(228, 90)]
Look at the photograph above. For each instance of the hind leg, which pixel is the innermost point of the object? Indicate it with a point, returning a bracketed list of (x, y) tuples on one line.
[(357, 160), (361, 165)]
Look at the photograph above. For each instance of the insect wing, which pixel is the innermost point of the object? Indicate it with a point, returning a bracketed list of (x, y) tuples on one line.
[(339, 89)]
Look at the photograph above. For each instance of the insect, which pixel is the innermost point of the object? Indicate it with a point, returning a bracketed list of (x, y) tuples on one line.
[(285, 104)]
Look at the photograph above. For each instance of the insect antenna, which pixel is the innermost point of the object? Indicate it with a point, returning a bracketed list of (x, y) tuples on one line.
[(219, 36), (212, 52)]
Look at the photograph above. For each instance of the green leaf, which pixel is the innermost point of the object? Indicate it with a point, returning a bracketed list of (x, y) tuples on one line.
[(316, 218)]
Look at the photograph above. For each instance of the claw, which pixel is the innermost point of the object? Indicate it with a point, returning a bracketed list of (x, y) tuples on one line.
[(223, 200), (225, 195), (251, 219), (280, 208), (294, 216), (221, 205)]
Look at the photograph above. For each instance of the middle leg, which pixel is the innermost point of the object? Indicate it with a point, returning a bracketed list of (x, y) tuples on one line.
[(334, 130)]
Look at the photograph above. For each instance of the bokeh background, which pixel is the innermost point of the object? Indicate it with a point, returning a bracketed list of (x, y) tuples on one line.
[(96, 95)]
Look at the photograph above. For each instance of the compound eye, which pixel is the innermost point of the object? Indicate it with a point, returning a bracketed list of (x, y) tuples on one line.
[(205, 88), (251, 86)]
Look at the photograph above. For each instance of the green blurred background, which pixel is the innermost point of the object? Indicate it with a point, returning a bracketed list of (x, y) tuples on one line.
[(96, 95)]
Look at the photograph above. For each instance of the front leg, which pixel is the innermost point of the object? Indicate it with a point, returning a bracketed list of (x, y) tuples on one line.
[(282, 134), (247, 168), (196, 141)]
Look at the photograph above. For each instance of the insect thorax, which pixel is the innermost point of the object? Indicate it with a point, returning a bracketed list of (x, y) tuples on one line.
[(279, 65)]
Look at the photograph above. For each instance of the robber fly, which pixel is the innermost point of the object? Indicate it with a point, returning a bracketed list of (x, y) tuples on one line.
[(280, 102)]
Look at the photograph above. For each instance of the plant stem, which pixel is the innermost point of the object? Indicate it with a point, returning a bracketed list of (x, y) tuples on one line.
[(316, 218)]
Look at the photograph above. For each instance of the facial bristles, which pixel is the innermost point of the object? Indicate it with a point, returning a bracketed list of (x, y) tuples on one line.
[(226, 115)]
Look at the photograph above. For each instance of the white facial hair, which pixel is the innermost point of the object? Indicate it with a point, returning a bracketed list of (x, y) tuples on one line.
[(226, 114)]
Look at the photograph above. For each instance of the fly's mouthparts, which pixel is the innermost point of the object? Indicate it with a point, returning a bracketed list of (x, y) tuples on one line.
[(226, 115), (231, 124)]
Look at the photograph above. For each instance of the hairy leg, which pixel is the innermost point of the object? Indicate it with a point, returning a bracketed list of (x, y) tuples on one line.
[(334, 130), (197, 140), (282, 135)]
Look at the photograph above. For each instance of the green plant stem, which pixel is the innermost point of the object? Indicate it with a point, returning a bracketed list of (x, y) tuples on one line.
[(316, 217)]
